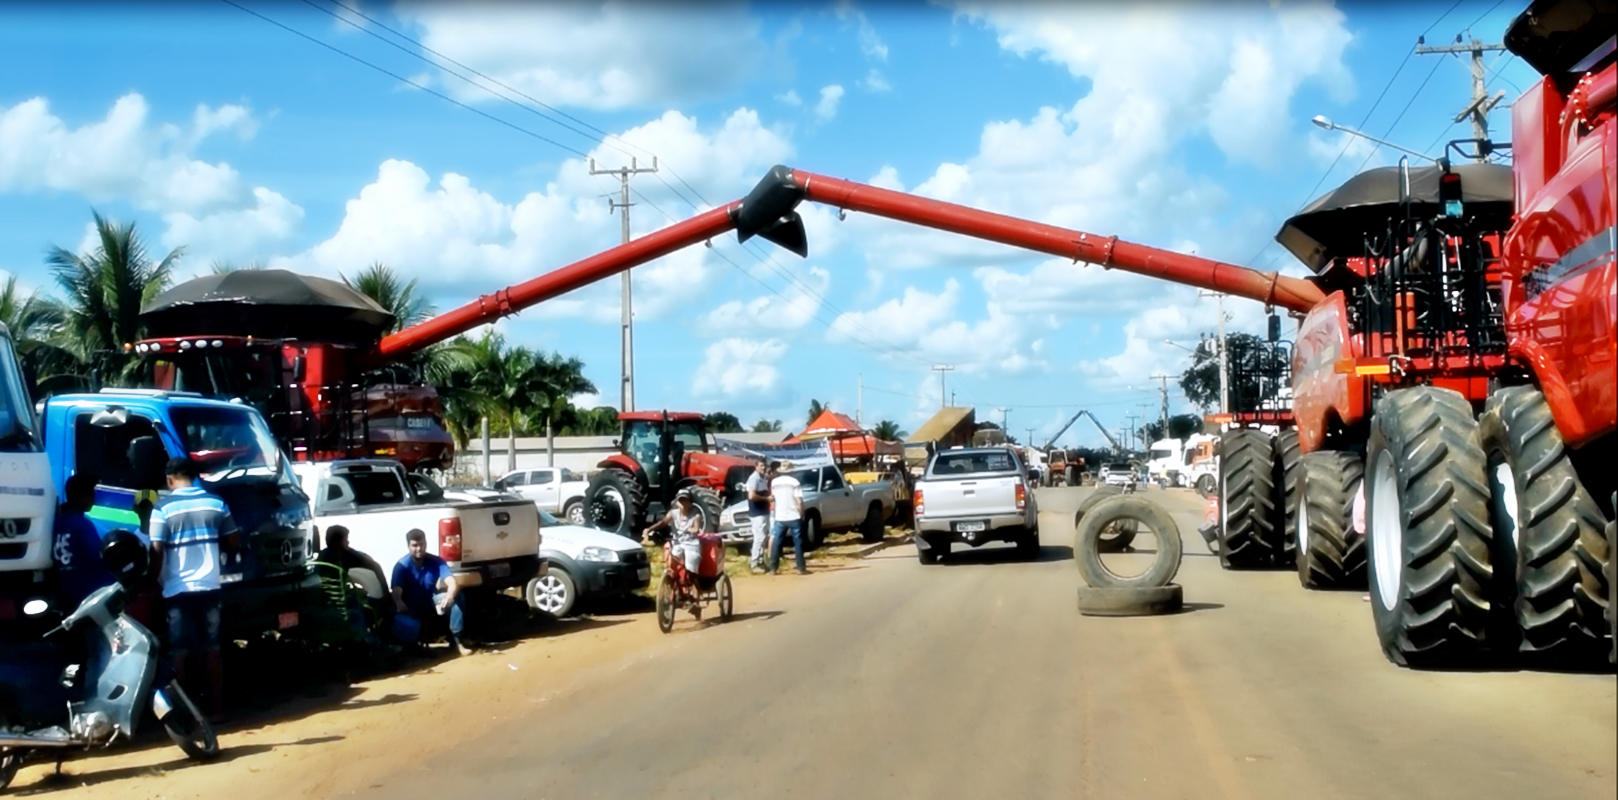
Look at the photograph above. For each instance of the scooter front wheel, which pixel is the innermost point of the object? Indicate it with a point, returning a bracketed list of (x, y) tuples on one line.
[(185, 724)]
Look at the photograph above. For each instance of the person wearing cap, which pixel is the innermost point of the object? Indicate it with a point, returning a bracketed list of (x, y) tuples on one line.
[(786, 501), (684, 522)]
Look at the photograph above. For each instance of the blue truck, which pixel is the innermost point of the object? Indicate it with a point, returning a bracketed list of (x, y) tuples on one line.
[(125, 437)]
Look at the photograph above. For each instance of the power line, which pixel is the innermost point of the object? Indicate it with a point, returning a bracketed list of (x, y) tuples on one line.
[(1402, 111), (396, 76)]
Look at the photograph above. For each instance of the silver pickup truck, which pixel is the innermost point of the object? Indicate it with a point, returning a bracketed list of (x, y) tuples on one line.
[(830, 503), (975, 495)]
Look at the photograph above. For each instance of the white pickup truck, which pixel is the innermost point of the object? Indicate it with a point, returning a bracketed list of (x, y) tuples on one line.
[(975, 495), (830, 503), (557, 490), (492, 544)]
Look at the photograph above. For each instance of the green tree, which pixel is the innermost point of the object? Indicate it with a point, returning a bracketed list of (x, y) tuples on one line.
[(598, 421), (1254, 370), (888, 431), (105, 291), (551, 387), (815, 410), (1181, 426), (35, 321), (723, 422), (767, 426), (399, 297)]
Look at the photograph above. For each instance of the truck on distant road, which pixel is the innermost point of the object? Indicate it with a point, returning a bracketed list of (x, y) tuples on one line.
[(975, 495)]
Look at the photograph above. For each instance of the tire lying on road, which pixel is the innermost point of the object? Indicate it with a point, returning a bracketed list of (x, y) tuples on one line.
[(1130, 602), (1117, 537), (1142, 512)]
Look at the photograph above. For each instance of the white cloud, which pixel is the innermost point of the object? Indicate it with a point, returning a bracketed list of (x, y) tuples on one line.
[(789, 309), (459, 240), (127, 156), (742, 373), (875, 81), (608, 56), (791, 98), (826, 109), (871, 44), (927, 326)]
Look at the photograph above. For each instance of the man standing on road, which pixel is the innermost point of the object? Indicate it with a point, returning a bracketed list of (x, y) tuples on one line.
[(786, 497), (188, 529), (424, 590), (758, 512)]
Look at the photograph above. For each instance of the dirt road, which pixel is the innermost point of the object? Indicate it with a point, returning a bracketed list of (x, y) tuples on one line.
[(885, 678)]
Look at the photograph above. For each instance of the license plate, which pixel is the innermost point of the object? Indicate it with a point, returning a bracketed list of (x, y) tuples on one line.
[(971, 527), (644, 574), (499, 570), (288, 619)]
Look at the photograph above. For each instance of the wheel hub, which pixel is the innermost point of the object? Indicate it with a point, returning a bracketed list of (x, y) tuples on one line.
[(1387, 531), (550, 595)]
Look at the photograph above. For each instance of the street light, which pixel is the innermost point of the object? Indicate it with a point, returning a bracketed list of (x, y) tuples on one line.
[(1322, 122)]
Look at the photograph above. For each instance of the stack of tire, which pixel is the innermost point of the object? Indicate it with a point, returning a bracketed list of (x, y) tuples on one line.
[(1109, 521)]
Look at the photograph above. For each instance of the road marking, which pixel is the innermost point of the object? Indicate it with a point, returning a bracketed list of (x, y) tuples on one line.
[(1213, 750)]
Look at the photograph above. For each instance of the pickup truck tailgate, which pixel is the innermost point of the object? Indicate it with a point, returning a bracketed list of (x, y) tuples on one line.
[(498, 529), (985, 496)]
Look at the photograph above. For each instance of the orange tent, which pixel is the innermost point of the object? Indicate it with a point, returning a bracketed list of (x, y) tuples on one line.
[(848, 439)]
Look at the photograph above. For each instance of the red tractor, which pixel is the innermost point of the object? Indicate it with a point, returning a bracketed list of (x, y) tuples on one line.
[(660, 453)]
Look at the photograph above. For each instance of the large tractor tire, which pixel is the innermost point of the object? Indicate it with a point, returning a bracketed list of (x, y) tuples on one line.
[(1248, 538), (1330, 553), (1550, 539), (616, 503), (708, 505), (1287, 483), (1427, 529)]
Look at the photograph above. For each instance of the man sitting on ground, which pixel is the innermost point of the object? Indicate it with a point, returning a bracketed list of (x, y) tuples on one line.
[(425, 591), (338, 553)]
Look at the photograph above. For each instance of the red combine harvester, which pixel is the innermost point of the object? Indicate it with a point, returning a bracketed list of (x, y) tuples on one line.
[(288, 344), (660, 453)]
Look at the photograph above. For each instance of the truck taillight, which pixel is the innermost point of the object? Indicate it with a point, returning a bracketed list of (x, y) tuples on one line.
[(1022, 496), (449, 539), (918, 504)]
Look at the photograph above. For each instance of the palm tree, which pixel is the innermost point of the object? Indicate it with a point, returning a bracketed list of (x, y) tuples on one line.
[(767, 426), (399, 297), (556, 382), (35, 323), (815, 410), (106, 291), (888, 431), (723, 422)]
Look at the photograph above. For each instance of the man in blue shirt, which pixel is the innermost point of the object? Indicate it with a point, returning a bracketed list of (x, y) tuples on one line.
[(188, 529), (424, 590), (77, 549)]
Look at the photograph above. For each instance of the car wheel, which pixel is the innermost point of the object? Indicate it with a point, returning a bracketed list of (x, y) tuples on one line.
[(574, 512), (553, 593)]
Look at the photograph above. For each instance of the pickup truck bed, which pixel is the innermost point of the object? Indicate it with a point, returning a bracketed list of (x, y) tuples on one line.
[(974, 496)]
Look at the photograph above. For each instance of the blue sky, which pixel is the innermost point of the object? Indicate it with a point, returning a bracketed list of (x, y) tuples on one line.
[(1184, 126)]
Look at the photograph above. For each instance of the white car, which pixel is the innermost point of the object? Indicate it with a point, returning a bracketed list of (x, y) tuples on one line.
[(582, 564), (558, 490)]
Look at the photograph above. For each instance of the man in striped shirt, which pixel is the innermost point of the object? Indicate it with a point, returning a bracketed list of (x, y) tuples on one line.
[(187, 530)]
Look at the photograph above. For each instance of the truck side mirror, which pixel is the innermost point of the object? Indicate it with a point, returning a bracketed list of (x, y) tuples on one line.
[(148, 459)]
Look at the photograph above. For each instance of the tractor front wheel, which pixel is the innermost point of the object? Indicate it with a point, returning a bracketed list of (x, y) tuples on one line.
[(616, 503)]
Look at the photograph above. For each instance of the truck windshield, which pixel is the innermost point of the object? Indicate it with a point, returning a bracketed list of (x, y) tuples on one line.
[(948, 464), (1162, 453), (17, 433), (225, 439)]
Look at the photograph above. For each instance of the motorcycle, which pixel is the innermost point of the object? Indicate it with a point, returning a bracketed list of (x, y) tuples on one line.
[(115, 684)]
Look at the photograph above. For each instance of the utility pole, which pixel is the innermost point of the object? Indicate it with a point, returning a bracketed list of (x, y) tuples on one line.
[(1165, 392), (1029, 442), (1129, 432), (626, 307), (1481, 103), (1224, 359), (941, 369), (1003, 428)]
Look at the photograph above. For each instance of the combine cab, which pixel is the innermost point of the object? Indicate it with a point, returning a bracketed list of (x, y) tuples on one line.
[(660, 453)]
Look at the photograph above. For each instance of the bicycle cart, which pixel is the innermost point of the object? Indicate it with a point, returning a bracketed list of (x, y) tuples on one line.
[(679, 588)]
